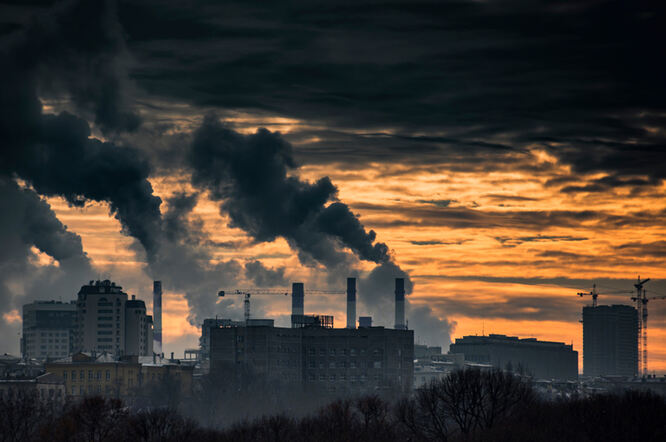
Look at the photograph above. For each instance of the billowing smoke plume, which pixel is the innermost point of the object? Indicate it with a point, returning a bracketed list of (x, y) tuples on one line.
[(249, 175), (29, 226), (263, 276), (74, 52), (184, 265)]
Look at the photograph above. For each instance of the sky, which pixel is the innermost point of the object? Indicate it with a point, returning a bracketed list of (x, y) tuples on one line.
[(502, 156)]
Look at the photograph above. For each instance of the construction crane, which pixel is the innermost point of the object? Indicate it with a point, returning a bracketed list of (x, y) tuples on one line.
[(642, 300), (247, 294), (595, 294), (641, 308)]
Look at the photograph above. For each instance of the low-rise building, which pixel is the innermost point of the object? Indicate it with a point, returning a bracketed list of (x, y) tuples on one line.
[(540, 359), (46, 387), (123, 378)]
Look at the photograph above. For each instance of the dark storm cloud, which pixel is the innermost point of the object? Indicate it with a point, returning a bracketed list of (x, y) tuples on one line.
[(583, 80)]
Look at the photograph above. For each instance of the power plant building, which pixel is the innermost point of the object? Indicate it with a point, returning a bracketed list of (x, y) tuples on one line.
[(540, 359), (108, 322), (610, 340), (316, 358), (312, 356), (48, 329)]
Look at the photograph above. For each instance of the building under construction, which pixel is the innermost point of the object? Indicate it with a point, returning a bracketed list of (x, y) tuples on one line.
[(610, 340), (312, 356)]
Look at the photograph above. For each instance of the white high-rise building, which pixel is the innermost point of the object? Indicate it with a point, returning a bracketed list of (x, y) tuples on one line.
[(108, 321)]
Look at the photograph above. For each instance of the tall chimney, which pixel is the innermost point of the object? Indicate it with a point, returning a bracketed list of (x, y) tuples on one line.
[(351, 302), (157, 317), (400, 304), (297, 294)]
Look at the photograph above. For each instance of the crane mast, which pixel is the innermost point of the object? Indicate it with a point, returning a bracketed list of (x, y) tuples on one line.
[(246, 297), (641, 306)]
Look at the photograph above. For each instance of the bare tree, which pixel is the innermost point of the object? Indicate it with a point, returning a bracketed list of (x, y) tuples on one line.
[(462, 403)]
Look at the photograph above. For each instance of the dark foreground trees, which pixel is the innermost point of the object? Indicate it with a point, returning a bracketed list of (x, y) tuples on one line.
[(467, 406)]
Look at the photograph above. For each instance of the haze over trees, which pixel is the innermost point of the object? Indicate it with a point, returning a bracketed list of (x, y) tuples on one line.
[(469, 405)]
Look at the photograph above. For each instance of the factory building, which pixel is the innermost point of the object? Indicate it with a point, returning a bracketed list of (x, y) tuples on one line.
[(540, 359), (316, 358), (312, 356), (610, 340), (48, 329), (108, 322)]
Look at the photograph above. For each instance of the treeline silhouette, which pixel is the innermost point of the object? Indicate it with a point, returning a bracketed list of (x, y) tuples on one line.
[(468, 405)]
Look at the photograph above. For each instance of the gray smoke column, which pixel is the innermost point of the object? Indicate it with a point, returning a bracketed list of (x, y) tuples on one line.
[(74, 52), (250, 176), (297, 295), (351, 302), (157, 317), (400, 304)]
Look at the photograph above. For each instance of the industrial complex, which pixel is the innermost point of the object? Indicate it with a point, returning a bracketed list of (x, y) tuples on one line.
[(106, 343)]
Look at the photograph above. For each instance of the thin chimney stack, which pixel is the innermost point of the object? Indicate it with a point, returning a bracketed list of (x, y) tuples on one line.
[(351, 302), (400, 304), (157, 317)]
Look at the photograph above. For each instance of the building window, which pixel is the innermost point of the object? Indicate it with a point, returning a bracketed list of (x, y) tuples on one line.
[(90, 375), (108, 375), (82, 375), (73, 390), (73, 375), (64, 375), (99, 375)]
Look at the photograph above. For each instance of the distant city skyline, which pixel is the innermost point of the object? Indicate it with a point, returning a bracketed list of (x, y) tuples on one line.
[(501, 157)]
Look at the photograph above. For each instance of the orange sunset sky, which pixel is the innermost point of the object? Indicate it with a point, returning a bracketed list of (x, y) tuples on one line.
[(501, 156)]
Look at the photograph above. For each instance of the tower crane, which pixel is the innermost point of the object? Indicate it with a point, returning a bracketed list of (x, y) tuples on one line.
[(641, 306), (247, 293), (595, 294)]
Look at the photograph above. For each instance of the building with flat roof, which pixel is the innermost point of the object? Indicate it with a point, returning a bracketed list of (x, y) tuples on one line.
[(315, 358), (48, 329), (540, 359), (108, 322), (610, 340), (88, 374)]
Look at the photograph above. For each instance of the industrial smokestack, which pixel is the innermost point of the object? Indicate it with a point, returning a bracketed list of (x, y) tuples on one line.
[(351, 302), (297, 294), (400, 304), (157, 317)]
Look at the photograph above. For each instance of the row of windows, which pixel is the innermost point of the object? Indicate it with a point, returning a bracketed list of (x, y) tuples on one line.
[(341, 378), (343, 364), (91, 375)]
